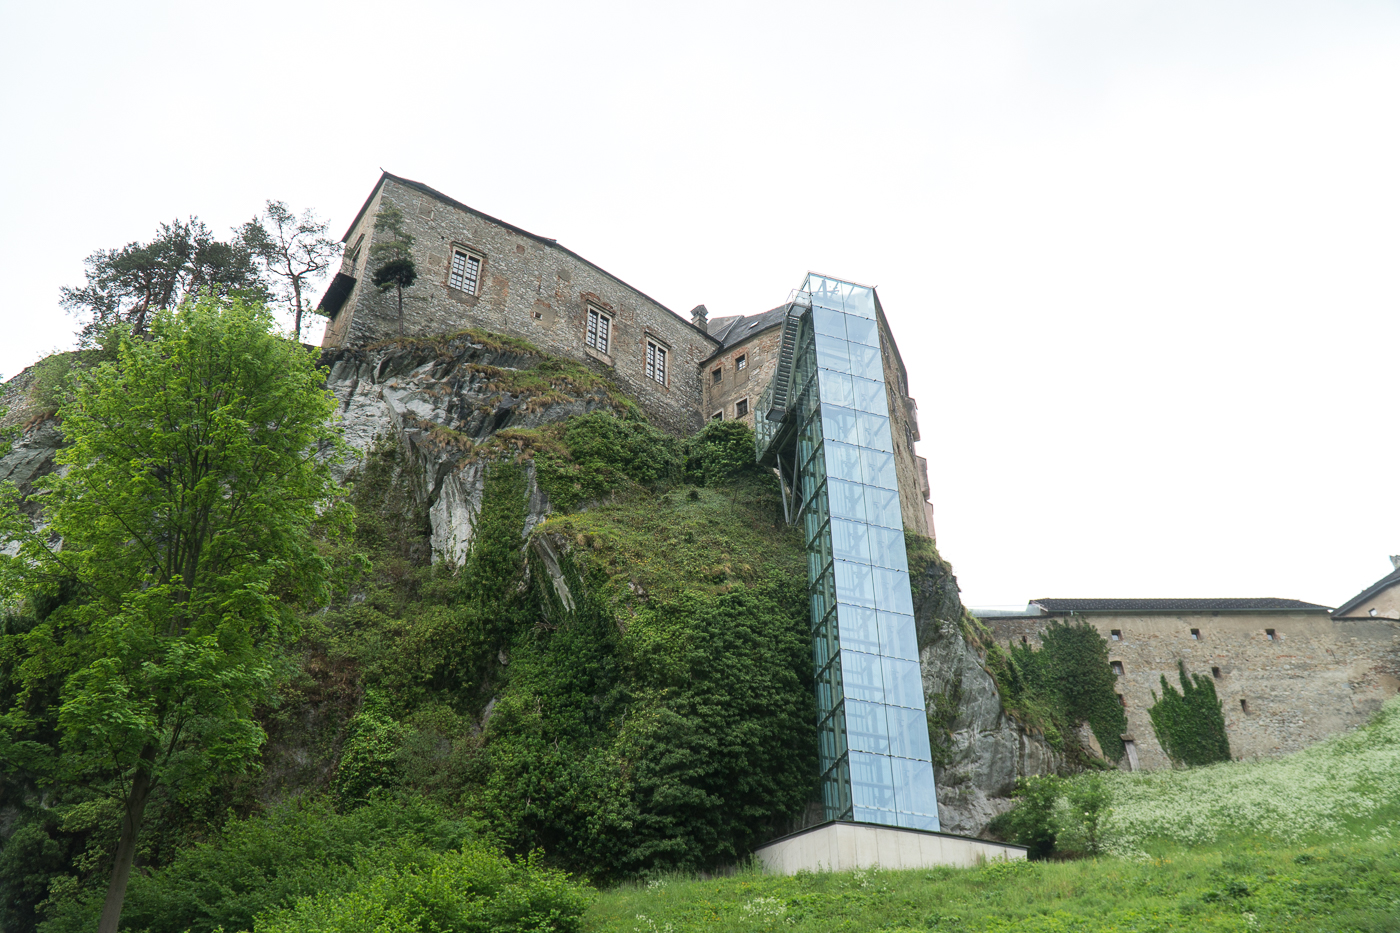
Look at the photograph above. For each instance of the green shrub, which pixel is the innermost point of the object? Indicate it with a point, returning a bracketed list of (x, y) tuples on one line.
[(598, 453), (721, 450), (474, 890), (1079, 816), (1189, 723), (1032, 822)]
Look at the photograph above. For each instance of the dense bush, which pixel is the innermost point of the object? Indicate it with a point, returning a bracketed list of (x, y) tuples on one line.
[(1189, 723)]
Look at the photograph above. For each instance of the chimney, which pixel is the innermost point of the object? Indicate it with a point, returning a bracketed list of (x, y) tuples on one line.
[(700, 317)]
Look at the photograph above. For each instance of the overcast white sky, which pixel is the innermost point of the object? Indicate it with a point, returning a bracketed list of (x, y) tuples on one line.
[(1140, 257)]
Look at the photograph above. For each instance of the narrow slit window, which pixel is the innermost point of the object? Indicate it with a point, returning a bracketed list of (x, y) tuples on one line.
[(1024, 640), (1215, 672), (1269, 634), (1117, 666), (1116, 635), (1244, 705), (1122, 701), (599, 330), (465, 273), (656, 362), (741, 408), (1195, 634), (353, 257), (716, 375)]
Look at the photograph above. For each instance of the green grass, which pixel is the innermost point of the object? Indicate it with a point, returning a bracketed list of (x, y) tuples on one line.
[(1246, 885)]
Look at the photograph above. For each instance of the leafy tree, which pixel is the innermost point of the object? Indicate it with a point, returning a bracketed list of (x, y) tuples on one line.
[(194, 483), (129, 286), (295, 249), (1189, 723), (393, 258)]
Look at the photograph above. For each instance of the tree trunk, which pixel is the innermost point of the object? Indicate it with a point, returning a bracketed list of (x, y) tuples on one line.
[(400, 310), (126, 847), (296, 293)]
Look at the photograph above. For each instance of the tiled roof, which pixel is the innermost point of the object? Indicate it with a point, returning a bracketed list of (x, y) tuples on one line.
[(1384, 583), (1256, 604), (731, 330)]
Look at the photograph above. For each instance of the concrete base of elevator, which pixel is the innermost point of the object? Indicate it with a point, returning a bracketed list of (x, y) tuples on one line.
[(843, 846)]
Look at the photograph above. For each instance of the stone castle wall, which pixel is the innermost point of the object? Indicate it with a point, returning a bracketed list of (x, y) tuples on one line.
[(1317, 677), (529, 288), (760, 353), (910, 469)]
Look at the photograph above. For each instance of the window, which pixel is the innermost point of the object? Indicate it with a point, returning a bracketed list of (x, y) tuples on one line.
[(1215, 672), (741, 362), (1116, 635), (353, 257), (1122, 701), (717, 416), (1195, 634), (1269, 634), (599, 330), (1244, 706), (716, 375), (741, 408), (1117, 666), (656, 362), (1024, 641), (465, 272)]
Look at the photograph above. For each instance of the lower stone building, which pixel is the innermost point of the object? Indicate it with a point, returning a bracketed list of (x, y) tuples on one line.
[(1288, 673)]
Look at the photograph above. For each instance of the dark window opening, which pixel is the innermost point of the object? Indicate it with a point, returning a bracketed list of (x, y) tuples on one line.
[(1024, 641), (1215, 672), (1122, 701), (1269, 634), (1195, 634), (741, 408), (1244, 705), (741, 362), (1116, 635), (717, 416), (1117, 666), (716, 375)]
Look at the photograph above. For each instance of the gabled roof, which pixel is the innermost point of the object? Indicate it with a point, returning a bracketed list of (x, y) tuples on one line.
[(542, 240), (730, 331), (1381, 585), (1247, 604)]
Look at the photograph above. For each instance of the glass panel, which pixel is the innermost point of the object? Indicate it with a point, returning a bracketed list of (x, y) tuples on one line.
[(843, 462), (849, 542), (855, 583), (830, 689), (836, 388), (839, 424), (898, 636), (865, 727), (891, 591), (825, 643), (878, 469), (903, 684), (860, 629), (862, 330), (860, 301), (872, 783), (869, 395), (832, 353), (887, 548), (829, 322), (913, 781), (860, 676), (847, 500), (874, 430), (882, 507), (908, 731), (859, 361), (923, 821)]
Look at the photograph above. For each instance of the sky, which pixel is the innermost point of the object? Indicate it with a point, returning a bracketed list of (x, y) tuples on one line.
[(1140, 257)]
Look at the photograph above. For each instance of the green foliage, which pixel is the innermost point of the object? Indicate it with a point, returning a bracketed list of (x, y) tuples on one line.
[(599, 453), (1031, 822), (1080, 815), (1066, 682), (473, 890), (1238, 886), (186, 517), (391, 256), (293, 249), (721, 450), (1189, 723)]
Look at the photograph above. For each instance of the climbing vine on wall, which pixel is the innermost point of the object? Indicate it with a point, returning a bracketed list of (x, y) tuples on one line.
[(1189, 722)]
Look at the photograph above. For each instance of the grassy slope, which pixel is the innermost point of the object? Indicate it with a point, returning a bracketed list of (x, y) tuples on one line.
[(1323, 858)]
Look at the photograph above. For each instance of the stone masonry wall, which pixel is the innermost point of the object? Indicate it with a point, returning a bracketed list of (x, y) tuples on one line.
[(910, 469), (761, 360), (529, 288), (1317, 677)]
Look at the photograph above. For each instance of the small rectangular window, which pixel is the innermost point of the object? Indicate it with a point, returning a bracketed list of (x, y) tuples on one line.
[(1269, 634), (1116, 635), (717, 416), (741, 362), (716, 375), (656, 362), (465, 272), (741, 408), (1215, 672), (1244, 706), (1117, 666), (599, 328), (1195, 634), (353, 256), (1122, 701), (1024, 640)]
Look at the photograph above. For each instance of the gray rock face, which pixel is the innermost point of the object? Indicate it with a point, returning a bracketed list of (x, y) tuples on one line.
[(984, 749), (440, 401)]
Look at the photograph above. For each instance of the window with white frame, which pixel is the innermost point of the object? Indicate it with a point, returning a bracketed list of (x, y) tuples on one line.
[(465, 272), (599, 333), (656, 362)]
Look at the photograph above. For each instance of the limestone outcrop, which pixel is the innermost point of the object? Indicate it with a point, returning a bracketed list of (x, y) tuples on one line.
[(983, 749)]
